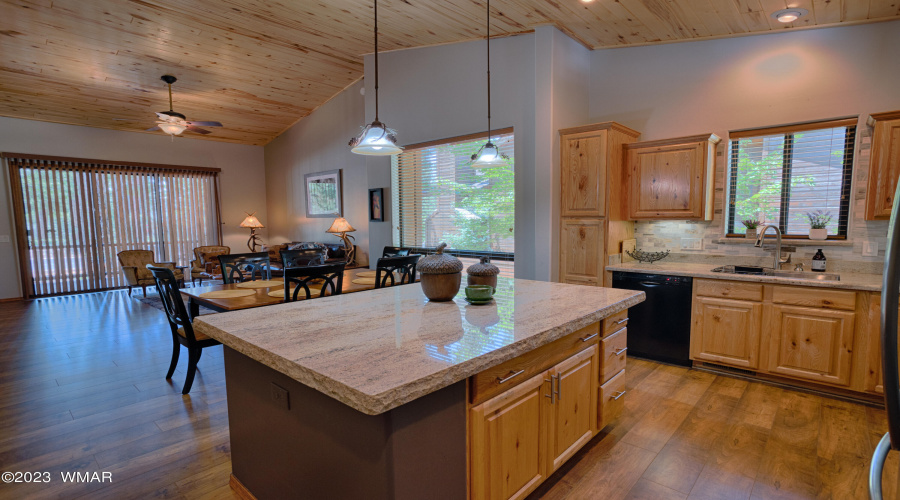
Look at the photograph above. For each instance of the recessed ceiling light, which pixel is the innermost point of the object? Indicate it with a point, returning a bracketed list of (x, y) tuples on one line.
[(789, 15)]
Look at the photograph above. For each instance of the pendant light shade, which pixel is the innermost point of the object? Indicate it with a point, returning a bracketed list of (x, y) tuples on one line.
[(375, 139), (489, 155)]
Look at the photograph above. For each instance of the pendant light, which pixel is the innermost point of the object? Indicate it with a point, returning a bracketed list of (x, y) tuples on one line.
[(489, 155), (375, 139)]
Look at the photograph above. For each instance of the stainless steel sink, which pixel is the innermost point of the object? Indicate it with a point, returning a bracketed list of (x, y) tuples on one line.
[(768, 271)]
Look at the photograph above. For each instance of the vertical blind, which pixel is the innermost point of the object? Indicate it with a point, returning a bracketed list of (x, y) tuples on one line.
[(74, 216), (779, 175), (438, 197)]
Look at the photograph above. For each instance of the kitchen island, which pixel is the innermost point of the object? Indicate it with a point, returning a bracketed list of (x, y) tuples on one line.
[(368, 395)]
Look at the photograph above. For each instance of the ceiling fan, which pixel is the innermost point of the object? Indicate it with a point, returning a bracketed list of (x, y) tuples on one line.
[(173, 122)]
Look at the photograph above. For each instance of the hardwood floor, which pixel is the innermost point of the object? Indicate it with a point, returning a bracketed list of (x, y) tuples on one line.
[(82, 389)]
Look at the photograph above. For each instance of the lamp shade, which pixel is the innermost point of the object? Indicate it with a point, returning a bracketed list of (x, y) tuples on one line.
[(375, 140), (171, 128), (340, 225), (251, 221), (489, 156)]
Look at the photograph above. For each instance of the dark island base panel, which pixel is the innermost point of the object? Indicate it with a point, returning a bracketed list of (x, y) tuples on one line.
[(322, 448)]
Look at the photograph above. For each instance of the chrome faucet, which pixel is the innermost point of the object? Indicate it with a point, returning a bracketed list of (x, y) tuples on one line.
[(759, 239)]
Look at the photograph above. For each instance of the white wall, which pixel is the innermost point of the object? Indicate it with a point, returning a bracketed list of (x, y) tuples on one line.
[(315, 144), (242, 181), (720, 85)]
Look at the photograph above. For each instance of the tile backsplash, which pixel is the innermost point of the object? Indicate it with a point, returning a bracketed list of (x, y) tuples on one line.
[(844, 256)]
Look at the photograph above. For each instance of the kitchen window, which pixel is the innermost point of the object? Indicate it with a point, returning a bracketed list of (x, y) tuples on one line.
[(778, 175), (438, 196)]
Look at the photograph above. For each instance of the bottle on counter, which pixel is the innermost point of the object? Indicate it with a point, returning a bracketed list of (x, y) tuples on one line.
[(818, 262)]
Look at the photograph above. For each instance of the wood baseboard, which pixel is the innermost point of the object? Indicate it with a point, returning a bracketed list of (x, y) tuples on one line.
[(868, 399), (240, 489), (14, 299)]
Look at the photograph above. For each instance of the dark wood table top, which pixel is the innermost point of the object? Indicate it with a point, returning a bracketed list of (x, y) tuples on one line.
[(261, 295)]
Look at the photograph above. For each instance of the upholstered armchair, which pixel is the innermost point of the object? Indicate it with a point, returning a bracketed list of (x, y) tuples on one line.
[(206, 262), (134, 265)]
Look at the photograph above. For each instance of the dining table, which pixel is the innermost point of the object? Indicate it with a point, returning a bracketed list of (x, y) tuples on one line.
[(260, 296)]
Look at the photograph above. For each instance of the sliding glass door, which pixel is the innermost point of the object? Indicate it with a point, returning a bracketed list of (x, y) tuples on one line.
[(74, 216)]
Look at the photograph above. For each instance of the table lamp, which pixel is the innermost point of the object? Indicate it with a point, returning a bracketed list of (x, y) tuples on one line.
[(340, 227), (253, 223)]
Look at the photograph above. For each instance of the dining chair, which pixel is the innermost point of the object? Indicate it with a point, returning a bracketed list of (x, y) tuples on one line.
[(240, 267), (182, 331), (394, 252), (300, 278), (305, 257), (386, 268)]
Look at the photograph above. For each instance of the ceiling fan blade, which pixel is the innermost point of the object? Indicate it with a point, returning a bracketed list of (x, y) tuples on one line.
[(206, 124), (198, 130), (154, 129)]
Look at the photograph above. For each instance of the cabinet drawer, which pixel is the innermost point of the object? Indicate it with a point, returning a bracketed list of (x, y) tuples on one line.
[(615, 322), (814, 297), (612, 400), (728, 289), (612, 354), (487, 383)]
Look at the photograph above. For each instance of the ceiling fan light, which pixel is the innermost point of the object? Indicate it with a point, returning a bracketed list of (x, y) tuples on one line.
[(171, 128), (375, 140), (488, 156)]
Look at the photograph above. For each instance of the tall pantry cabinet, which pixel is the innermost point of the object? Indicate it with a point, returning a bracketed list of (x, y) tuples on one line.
[(593, 207)]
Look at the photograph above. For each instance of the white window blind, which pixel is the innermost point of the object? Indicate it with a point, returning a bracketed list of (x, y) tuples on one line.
[(76, 216), (437, 197), (781, 174)]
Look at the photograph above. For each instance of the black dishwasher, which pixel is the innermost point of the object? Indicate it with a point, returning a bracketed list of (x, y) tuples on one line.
[(660, 327)]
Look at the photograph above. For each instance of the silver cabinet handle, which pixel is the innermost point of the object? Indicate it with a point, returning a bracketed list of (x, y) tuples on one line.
[(620, 330), (618, 395), (512, 375), (552, 394), (558, 386), (622, 320), (620, 351), (589, 337)]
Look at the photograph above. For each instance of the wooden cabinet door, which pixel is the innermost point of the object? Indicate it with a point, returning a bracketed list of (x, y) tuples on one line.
[(583, 174), (884, 166), (581, 251), (671, 179), (726, 331), (509, 441), (573, 409), (810, 343)]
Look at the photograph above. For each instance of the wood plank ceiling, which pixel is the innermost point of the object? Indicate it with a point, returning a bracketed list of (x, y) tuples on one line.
[(258, 66)]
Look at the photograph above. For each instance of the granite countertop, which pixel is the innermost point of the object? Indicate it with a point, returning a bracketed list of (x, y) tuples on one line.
[(849, 281), (379, 349)]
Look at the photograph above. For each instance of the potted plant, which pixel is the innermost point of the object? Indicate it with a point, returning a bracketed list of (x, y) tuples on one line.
[(817, 222), (751, 225)]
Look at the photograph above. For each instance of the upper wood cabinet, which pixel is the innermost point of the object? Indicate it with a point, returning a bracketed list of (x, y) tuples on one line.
[(884, 164), (671, 179), (591, 163)]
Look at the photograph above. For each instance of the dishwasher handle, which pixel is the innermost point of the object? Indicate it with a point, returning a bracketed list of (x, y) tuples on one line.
[(650, 284)]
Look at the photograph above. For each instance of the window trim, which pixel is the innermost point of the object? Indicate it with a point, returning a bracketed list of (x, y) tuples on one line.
[(788, 131)]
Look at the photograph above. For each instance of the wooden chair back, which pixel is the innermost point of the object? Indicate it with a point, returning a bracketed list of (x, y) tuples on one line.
[(240, 267), (173, 304), (388, 266), (300, 278)]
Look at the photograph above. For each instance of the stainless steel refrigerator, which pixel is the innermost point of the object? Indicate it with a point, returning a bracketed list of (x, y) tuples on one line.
[(890, 300)]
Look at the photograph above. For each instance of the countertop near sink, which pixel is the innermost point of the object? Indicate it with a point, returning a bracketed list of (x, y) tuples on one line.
[(849, 281)]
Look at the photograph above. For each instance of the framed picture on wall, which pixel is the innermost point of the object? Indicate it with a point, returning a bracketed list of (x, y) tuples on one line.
[(376, 204), (323, 194)]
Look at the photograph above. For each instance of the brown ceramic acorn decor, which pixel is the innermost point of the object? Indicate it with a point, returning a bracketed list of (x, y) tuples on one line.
[(440, 275), (483, 273)]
